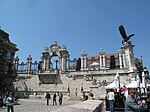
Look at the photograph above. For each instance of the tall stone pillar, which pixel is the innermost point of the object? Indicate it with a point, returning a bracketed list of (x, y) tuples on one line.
[(85, 63), (104, 62), (68, 63), (102, 59), (124, 61), (29, 62), (129, 56), (64, 57), (45, 58), (120, 61), (82, 63), (63, 64), (44, 64), (47, 63), (84, 60), (120, 58), (16, 63)]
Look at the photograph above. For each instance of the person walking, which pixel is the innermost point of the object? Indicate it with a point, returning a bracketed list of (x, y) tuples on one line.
[(60, 98), (48, 97), (131, 105), (111, 98), (76, 91), (54, 99), (10, 102)]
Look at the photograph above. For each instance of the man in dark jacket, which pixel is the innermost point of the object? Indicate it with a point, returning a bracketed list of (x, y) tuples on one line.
[(60, 98), (48, 97), (54, 99)]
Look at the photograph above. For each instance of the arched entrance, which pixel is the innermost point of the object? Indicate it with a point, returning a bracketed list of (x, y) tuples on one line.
[(54, 62)]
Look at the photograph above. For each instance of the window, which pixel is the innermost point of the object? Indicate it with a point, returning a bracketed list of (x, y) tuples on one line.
[(8, 56)]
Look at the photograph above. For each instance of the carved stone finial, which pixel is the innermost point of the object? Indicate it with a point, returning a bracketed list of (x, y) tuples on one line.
[(84, 54), (29, 58), (55, 43), (120, 51), (46, 49), (102, 52), (17, 59), (63, 47)]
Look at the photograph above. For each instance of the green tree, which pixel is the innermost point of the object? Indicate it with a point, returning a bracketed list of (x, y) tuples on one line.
[(140, 68)]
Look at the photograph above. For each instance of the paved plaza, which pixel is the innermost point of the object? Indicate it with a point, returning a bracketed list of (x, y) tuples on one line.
[(38, 105)]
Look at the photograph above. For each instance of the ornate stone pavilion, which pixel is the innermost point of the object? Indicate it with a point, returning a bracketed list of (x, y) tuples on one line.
[(85, 74)]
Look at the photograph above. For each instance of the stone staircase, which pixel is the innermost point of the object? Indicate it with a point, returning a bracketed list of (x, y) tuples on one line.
[(33, 84)]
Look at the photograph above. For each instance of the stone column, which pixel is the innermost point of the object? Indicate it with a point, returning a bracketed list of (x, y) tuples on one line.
[(102, 59), (84, 60), (29, 62), (16, 64), (47, 63), (45, 58), (120, 52), (63, 64), (124, 61), (44, 64), (68, 63), (85, 63), (64, 54), (120, 60), (82, 63), (104, 62)]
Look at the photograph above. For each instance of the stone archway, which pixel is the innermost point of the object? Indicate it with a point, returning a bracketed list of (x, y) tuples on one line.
[(48, 74), (54, 62), (55, 51)]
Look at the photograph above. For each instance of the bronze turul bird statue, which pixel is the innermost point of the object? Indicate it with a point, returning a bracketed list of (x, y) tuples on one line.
[(124, 35)]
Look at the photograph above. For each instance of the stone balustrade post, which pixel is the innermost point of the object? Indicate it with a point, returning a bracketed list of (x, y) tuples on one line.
[(16, 64), (29, 62)]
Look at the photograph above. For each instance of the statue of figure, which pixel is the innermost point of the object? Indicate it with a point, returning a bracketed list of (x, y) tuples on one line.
[(124, 35)]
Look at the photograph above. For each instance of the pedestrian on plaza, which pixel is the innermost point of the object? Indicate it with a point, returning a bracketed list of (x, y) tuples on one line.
[(76, 91), (91, 96), (48, 97), (54, 99), (111, 98), (10, 102), (131, 105), (60, 98)]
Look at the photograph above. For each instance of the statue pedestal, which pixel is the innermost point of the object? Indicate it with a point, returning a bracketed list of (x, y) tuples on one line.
[(127, 49)]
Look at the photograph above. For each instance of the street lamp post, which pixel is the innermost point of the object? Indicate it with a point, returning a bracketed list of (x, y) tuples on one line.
[(81, 86), (68, 86)]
